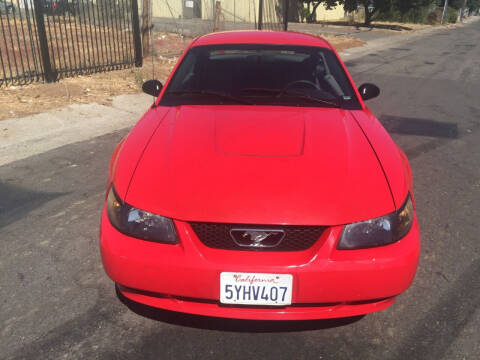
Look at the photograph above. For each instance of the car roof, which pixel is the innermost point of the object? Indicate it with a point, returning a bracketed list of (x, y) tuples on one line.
[(261, 37)]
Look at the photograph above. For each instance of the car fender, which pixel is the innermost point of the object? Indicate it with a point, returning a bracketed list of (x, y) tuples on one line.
[(408, 172), (113, 162)]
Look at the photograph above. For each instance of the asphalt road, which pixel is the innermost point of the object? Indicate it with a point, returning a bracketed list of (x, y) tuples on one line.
[(56, 302)]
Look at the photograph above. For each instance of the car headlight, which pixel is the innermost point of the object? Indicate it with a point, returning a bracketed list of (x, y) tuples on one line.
[(139, 223), (379, 231)]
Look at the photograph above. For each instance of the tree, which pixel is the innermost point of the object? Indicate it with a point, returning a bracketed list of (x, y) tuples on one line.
[(384, 7)]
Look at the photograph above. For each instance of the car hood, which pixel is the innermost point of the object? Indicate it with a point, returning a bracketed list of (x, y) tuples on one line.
[(268, 165)]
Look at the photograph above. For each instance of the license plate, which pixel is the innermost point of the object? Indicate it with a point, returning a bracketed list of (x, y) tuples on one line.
[(255, 289)]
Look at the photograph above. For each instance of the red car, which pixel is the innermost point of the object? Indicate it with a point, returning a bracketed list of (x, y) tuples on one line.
[(259, 186)]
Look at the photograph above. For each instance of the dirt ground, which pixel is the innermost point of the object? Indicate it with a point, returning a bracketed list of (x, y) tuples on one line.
[(341, 43), (18, 101)]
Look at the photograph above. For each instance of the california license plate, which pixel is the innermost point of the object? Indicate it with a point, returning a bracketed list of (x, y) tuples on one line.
[(255, 289)]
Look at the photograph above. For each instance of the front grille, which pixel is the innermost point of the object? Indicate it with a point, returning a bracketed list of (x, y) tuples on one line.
[(217, 236)]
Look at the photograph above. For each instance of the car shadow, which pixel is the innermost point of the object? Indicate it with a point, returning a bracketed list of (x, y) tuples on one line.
[(233, 325), (419, 127)]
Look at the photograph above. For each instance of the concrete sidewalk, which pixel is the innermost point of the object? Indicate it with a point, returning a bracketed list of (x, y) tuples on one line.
[(24, 137), (34, 134)]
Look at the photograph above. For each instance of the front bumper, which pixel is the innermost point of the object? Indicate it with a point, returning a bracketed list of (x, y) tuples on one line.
[(327, 282)]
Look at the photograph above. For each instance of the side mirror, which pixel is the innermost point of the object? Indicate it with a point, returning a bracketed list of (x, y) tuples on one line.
[(368, 91), (152, 87)]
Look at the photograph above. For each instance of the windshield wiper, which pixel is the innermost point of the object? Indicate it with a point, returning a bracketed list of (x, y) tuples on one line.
[(295, 94), (298, 95), (211, 93)]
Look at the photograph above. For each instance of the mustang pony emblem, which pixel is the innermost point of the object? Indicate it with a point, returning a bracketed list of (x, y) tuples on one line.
[(260, 238), (256, 237)]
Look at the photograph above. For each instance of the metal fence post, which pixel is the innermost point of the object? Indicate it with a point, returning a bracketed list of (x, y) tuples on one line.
[(137, 41), (50, 75), (216, 16), (146, 26), (285, 14), (260, 15)]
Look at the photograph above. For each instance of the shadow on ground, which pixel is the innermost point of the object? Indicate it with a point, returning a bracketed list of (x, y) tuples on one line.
[(233, 325), (444, 322), (419, 127)]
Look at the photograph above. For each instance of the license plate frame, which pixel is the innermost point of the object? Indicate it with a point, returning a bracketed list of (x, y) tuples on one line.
[(260, 289)]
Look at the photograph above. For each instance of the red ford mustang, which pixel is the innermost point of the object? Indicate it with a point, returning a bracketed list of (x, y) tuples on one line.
[(259, 186)]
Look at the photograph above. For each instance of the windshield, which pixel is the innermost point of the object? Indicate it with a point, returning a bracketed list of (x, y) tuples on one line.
[(253, 74)]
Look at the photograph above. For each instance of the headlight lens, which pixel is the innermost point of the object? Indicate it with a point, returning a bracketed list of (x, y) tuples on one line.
[(139, 223), (379, 231)]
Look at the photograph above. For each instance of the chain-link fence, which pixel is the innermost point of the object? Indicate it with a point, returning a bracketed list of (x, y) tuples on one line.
[(197, 17)]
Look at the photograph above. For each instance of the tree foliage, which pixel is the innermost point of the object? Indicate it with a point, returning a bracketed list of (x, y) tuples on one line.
[(406, 5), (456, 4), (452, 15), (417, 8), (473, 5)]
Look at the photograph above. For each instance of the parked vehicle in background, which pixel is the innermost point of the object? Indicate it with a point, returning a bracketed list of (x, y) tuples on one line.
[(60, 7), (6, 7)]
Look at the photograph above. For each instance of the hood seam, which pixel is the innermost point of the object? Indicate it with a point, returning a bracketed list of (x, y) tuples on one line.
[(378, 159)]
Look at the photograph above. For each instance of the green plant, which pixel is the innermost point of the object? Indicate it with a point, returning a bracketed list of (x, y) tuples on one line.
[(434, 17), (451, 16), (304, 14)]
